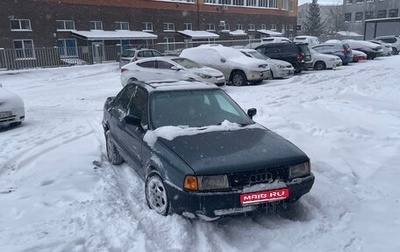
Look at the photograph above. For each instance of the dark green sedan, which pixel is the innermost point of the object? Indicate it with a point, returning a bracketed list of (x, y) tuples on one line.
[(199, 153)]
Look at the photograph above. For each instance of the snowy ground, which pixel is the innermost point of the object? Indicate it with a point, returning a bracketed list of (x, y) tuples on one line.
[(59, 193)]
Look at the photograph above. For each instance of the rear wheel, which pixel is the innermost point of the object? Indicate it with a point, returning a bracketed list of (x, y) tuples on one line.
[(156, 194), (238, 78), (319, 65), (395, 51), (112, 153)]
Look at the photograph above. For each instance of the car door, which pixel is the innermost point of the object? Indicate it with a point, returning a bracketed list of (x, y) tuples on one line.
[(134, 127), (118, 110), (146, 70), (167, 70)]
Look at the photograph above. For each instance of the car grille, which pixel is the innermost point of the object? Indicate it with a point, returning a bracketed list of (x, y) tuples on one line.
[(259, 176), (7, 119)]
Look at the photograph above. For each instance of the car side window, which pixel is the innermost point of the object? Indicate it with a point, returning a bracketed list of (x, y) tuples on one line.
[(148, 64), (156, 54), (121, 101), (164, 65), (138, 105)]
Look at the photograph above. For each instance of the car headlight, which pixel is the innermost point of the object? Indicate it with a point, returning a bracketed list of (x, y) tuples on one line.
[(299, 170), (333, 59), (281, 66), (201, 183), (204, 76)]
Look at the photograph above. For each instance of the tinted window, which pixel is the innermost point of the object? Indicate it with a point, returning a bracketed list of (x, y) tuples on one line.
[(156, 54), (121, 101), (164, 65), (128, 53), (138, 105), (148, 64)]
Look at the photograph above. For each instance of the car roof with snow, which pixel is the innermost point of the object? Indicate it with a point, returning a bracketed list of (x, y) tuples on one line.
[(173, 85)]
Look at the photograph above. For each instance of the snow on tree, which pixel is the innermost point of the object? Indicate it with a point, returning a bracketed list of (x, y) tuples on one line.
[(313, 25)]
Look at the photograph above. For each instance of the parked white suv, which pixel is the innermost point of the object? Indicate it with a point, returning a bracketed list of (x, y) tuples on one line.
[(309, 40), (237, 68), (394, 40)]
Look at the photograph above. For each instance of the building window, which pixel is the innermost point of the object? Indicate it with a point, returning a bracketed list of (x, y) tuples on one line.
[(24, 49), (359, 1), (285, 4), (262, 3), (187, 26), (263, 26), (239, 27), (65, 24), (359, 16), (251, 3), (273, 26), (347, 17), (381, 14), (393, 12), (210, 1), (290, 6), (147, 26), (20, 25), (370, 1), (272, 4), (67, 47), (121, 25), (170, 43), (290, 27), (96, 25), (349, 2), (210, 27), (369, 14), (168, 27), (252, 27)]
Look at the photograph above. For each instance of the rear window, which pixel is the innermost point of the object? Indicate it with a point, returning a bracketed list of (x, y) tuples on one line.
[(300, 38), (128, 53), (304, 48)]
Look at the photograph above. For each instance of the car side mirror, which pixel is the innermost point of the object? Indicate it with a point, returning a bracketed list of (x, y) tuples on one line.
[(223, 60), (251, 112), (132, 120)]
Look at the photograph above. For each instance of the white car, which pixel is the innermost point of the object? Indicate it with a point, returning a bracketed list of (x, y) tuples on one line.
[(237, 68), (12, 111), (279, 68), (324, 61), (309, 40), (386, 47), (177, 68)]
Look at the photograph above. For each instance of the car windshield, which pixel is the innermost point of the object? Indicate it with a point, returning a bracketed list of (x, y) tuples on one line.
[(187, 63), (195, 108)]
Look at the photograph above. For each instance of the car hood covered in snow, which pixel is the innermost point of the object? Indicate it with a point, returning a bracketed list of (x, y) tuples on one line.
[(9, 100), (234, 151)]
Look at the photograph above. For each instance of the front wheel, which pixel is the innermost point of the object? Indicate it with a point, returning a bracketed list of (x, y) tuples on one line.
[(238, 78), (395, 51), (112, 153), (319, 65), (156, 194)]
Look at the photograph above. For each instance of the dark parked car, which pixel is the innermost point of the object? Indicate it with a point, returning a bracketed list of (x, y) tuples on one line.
[(298, 55), (340, 49), (199, 153)]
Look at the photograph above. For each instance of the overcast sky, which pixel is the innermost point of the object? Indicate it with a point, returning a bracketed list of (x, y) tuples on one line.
[(322, 2)]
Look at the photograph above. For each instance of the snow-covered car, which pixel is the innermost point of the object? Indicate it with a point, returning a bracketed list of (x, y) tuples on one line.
[(323, 61), (279, 68), (12, 110), (386, 47), (166, 67), (394, 40), (237, 68), (309, 40), (358, 55), (372, 50), (199, 153)]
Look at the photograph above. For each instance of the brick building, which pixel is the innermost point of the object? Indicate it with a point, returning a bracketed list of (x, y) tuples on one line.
[(68, 24)]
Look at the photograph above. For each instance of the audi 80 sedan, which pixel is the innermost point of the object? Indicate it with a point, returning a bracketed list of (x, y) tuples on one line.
[(199, 153)]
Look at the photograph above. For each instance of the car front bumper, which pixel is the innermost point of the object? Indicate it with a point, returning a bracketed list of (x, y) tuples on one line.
[(216, 204), (16, 115)]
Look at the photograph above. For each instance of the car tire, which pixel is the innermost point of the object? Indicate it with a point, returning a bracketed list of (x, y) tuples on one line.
[(319, 65), (272, 75), (395, 51), (156, 194), (238, 78), (112, 153)]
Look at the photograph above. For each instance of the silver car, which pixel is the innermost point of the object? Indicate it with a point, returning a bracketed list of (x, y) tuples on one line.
[(12, 111), (131, 55), (279, 68), (176, 68)]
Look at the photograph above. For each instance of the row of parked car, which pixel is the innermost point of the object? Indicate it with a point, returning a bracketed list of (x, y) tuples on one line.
[(272, 58)]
